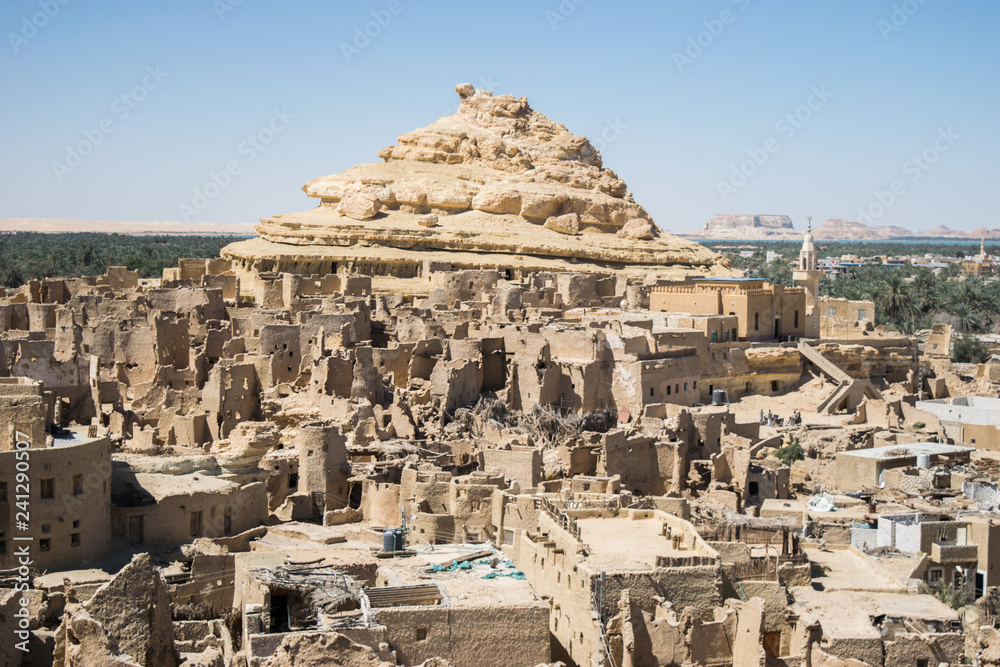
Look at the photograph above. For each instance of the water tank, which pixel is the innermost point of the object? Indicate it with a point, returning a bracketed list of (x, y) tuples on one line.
[(719, 397), (392, 540), (924, 461)]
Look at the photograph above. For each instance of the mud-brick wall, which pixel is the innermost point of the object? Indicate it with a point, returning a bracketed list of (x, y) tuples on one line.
[(868, 650), (501, 636), (909, 649), (699, 587)]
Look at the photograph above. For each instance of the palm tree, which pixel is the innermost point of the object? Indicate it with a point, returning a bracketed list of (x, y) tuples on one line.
[(895, 301), (989, 302), (925, 287), (968, 291), (967, 317)]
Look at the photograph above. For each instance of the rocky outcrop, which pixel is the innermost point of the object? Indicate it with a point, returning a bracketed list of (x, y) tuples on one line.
[(82, 641), (637, 228), (499, 179), (321, 649), (134, 608)]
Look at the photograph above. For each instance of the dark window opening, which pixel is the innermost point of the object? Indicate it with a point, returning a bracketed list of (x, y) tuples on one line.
[(293, 481), (754, 488), (354, 502), (196, 524), (279, 613)]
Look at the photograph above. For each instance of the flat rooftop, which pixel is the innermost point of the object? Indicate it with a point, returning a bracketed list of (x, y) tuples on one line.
[(909, 450), (162, 486), (624, 542), (463, 588), (846, 570), (73, 436), (848, 614)]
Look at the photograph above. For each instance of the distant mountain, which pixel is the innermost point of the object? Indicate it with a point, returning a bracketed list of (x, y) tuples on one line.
[(739, 226), (750, 227), (838, 229)]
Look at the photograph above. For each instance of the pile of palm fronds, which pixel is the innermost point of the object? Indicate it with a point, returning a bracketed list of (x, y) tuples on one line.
[(542, 424)]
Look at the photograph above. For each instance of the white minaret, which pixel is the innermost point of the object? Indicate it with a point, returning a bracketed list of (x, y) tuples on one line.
[(807, 276), (807, 257)]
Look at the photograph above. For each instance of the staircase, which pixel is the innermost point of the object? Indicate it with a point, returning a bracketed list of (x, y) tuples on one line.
[(824, 364), (848, 393)]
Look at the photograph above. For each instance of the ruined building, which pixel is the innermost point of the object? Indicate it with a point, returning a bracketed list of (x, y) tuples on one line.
[(476, 409)]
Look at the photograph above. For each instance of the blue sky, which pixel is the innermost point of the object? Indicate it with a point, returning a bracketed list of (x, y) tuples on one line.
[(126, 110)]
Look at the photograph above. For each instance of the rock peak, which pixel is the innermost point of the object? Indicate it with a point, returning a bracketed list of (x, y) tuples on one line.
[(496, 178)]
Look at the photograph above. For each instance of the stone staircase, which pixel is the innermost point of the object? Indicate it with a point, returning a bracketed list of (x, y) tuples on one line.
[(849, 391), (824, 364)]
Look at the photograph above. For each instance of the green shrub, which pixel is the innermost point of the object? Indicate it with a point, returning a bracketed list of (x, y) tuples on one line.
[(791, 453), (969, 350)]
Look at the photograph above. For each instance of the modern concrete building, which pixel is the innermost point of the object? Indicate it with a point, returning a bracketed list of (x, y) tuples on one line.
[(863, 468), (970, 420)]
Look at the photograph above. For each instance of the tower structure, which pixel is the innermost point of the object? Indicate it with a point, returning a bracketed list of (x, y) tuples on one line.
[(807, 276)]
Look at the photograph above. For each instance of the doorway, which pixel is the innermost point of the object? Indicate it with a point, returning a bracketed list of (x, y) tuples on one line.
[(135, 530)]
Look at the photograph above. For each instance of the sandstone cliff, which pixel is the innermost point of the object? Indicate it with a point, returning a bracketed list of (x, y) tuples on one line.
[(496, 184)]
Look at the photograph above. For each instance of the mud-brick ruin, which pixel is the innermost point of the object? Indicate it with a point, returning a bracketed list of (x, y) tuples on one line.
[(475, 408)]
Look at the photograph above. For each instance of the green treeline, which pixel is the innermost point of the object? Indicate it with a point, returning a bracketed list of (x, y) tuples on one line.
[(907, 298), (28, 256)]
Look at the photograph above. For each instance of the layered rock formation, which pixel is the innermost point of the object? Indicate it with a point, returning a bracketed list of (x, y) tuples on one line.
[(743, 221), (840, 229), (739, 226), (495, 185)]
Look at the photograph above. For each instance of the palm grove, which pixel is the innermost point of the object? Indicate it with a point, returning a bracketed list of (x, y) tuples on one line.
[(907, 298)]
